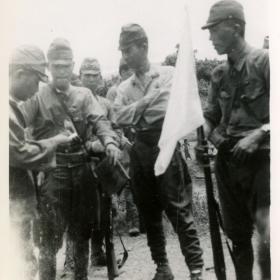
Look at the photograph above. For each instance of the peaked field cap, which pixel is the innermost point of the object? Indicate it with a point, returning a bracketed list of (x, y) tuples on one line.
[(60, 49), (30, 57), (130, 33), (90, 65), (223, 10)]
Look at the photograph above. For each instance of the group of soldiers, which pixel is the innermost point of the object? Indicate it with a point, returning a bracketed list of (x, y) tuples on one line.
[(54, 127)]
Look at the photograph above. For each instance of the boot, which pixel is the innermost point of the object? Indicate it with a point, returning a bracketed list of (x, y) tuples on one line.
[(68, 270), (98, 259), (81, 252), (163, 272), (133, 232), (244, 259), (196, 275)]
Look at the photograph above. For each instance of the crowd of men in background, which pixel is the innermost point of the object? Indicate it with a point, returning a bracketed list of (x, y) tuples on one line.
[(72, 117)]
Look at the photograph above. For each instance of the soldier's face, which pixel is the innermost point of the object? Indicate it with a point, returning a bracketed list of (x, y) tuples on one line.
[(134, 55), (61, 72), (223, 38), (27, 84), (90, 80)]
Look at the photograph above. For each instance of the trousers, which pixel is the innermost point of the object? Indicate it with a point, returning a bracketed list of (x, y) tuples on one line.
[(22, 213), (170, 192), (67, 201), (244, 191)]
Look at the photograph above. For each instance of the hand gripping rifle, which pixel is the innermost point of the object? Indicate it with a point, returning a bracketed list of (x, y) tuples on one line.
[(213, 210)]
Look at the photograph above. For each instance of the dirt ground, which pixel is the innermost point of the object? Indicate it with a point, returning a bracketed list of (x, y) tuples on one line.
[(139, 265)]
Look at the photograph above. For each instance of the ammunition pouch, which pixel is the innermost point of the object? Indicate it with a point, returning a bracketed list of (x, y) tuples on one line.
[(111, 178)]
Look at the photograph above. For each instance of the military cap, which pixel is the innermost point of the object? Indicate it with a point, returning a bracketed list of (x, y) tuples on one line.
[(90, 66), (223, 10), (60, 49), (130, 33), (31, 58)]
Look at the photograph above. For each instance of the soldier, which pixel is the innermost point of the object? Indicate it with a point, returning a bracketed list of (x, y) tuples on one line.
[(237, 117), (26, 70), (141, 102), (132, 216), (68, 193), (90, 75), (125, 72), (87, 72), (95, 80)]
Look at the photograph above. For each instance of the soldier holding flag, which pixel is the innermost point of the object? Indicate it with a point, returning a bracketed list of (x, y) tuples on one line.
[(141, 102)]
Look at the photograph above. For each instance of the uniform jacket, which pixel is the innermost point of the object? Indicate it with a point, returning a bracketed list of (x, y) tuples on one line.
[(238, 100), (25, 154)]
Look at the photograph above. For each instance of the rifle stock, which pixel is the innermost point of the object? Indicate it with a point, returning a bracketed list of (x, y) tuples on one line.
[(112, 265), (217, 247)]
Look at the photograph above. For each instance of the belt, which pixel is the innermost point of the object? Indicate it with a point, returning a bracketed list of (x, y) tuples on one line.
[(149, 137), (68, 149), (71, 158)]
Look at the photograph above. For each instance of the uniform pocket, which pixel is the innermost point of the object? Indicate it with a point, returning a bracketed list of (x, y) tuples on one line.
[(256, 101)]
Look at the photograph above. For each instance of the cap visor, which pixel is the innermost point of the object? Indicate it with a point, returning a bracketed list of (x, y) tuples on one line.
[(210, 24), (93, 72), (61, 61)]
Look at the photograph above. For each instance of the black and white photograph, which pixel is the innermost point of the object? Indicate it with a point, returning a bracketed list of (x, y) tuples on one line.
[(139, 140)]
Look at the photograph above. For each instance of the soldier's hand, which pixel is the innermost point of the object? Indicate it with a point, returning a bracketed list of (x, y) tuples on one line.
[(74, 137), (63, 138), (113, 153), (246, 146)]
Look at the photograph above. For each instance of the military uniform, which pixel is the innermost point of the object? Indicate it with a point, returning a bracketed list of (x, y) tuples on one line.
[(142, 103), (25, 154), (238, 103), (68, 193), (237, 107)]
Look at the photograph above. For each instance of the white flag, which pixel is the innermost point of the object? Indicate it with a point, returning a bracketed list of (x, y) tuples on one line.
[(184, 112)]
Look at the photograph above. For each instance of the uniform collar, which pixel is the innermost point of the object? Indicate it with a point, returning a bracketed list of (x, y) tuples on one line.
[(240, 57), (146, 79)]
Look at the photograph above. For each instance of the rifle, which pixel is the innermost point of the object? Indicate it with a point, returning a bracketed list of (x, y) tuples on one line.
[(113, 265), (213, 211)]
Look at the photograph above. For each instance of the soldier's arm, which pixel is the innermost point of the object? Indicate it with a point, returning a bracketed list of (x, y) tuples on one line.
[(29, 109), (101, 126), (28, 154), (212, 111), (95, 145), (126, 113), (159, 96)]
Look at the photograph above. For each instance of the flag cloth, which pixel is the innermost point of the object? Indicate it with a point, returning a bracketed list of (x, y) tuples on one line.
[(184, 112)]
